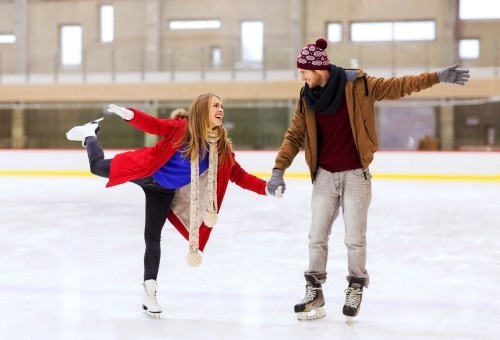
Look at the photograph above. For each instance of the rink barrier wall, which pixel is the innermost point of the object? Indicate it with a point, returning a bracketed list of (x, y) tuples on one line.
[(402, 165)]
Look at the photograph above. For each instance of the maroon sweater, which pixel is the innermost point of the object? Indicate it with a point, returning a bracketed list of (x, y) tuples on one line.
[(337, 151)]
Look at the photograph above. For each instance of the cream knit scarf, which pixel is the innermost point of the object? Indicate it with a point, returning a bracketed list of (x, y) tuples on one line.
[(210, 217)]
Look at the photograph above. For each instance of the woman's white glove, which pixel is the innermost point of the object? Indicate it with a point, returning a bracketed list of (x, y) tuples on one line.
[(121, 111), (277, 193), (276, 185)]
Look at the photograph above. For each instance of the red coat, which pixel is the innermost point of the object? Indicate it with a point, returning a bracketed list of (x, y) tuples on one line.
[(145, 161)]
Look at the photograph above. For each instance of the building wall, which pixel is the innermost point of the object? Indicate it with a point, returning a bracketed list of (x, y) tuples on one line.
[(143, 39), (143, 43)]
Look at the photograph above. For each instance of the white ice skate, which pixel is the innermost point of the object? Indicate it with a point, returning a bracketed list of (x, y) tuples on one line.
[(149, 302), (79, 133)]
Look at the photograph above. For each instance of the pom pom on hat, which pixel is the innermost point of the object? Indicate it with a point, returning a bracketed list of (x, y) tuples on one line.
[(314, 56), (321, 43)]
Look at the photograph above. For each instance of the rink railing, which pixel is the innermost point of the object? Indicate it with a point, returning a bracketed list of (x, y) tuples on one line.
[(403, 165)]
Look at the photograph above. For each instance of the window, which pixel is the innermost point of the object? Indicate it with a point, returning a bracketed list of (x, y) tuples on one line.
[(334, 32), (414, 30), (194, 24), (252, 41), (381, 31), (468, 48), (393, 31), (7, 38), (216, 56), (107, 13), (479, 9), (71, 45)]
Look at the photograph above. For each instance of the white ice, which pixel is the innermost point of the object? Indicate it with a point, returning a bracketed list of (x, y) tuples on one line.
[(71, 265)]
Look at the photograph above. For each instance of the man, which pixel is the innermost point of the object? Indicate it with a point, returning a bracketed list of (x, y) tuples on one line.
[(335, 123)]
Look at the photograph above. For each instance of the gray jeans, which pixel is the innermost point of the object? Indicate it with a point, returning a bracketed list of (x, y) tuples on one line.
[(351, 191)]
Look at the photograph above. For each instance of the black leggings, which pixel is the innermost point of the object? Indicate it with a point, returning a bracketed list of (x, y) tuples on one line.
[(158, 201)]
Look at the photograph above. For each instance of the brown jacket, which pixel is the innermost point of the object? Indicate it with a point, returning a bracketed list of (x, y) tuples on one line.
[(360, 95)]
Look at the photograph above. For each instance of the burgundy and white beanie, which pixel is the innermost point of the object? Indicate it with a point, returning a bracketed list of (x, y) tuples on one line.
[(314, 57)]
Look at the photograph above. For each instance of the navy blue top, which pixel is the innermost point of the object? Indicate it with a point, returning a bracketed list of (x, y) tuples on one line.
[(176, 173)]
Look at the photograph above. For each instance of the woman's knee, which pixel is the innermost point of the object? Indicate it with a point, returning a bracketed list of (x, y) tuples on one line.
[(100, 167), (152, 238)]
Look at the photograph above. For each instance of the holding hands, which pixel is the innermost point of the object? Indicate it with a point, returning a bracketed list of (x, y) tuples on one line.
[(121, 111), (276, 185)]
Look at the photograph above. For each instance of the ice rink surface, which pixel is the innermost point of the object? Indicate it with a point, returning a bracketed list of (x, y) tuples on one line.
[(71, 265)]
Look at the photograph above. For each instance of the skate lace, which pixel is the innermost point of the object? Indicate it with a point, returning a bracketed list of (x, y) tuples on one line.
[(310, 294), (353, 297), (152, 297)]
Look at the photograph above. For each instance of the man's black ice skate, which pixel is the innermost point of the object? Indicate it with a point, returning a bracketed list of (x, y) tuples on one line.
[(353, 296), (81, 132), (311, 307)]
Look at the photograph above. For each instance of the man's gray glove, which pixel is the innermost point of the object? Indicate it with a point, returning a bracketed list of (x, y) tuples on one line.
[(453, 75), (276, 185)]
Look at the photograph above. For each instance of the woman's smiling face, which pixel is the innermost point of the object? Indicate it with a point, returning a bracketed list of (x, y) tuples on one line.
[(216, 111)]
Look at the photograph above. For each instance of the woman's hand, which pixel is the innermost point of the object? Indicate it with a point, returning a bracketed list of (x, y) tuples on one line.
[(121, 111)]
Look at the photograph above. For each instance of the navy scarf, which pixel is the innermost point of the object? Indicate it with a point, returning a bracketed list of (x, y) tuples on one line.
[(327, 99)]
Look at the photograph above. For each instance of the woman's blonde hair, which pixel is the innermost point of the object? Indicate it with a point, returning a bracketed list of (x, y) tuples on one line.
[(196, 137)]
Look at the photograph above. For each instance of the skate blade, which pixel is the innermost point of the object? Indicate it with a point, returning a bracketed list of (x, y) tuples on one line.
[(350, 319), (316, 313), (154, 315), (96, 121)]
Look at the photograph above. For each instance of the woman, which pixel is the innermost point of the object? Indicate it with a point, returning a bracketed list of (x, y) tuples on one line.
[(184, 176)]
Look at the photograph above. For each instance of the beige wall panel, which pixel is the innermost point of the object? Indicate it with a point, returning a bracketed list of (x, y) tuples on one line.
[(6, 18), (7, 51), (438, 52), (269, 90), (276, 28), (43, 35), (130, 23), (126, 52), (49, 16), (320, 11), (192, 48), (45, 20), (487, 31)]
